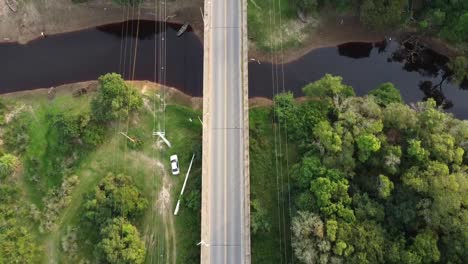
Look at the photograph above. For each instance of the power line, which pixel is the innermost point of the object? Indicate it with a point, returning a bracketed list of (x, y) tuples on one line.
[(274, 128)]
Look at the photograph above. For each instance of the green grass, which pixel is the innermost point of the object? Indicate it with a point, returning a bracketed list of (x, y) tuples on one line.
[(264, 26), (115, 156), (187, 136), (42, 144), (268, 180)]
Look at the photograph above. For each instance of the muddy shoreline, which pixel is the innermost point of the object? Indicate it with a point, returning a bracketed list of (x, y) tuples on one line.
[(36, 17), (173, 94), (61, 16)]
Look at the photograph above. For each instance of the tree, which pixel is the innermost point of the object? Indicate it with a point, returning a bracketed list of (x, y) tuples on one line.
[(327, 138), (367, 239), (121, 243), (259, 218), (416, 151), (425, 246), (458, 30), (330, 88), (386, 94), (8, 163), (332, 198), (309, 240), (385, 186), (367, 144), (392, 159), (367, 208), (310, 168), (388, 181), (115, 99), (115, 196), (400, 117), (382, 14), (285, 107), (307, 5), (459, 66)]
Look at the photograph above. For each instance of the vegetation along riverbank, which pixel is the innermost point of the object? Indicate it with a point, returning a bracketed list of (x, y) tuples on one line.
[(347, 179), (343, 178), (79, 162), (282, 31)]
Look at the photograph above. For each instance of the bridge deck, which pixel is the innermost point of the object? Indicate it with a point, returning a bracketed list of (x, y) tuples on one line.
[(225, 199)]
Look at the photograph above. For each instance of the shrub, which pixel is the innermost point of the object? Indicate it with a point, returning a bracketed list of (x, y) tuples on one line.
[(8, 163)]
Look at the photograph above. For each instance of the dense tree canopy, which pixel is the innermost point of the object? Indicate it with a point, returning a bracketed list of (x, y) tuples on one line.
[(378, 182)]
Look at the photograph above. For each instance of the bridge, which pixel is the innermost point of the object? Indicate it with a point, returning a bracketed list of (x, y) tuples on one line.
[(225, 216)]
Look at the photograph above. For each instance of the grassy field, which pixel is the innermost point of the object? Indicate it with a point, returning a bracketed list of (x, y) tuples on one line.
[(269, 185), (272, 24), (168, 239)]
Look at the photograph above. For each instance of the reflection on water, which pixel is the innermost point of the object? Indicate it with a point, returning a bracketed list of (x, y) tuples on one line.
[(355, 50), (87, 54), (418, 72), (84, 55)]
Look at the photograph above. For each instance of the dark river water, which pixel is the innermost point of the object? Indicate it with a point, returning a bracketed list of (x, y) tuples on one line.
[(87, 54)]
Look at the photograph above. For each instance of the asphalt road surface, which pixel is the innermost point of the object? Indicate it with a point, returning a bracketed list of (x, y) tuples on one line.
[(224, 134)]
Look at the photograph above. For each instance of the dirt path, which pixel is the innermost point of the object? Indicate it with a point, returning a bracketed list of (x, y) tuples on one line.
[(160, 235), (163, 206)]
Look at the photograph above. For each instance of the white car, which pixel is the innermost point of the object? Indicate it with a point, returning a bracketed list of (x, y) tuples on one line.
[(175, 165)]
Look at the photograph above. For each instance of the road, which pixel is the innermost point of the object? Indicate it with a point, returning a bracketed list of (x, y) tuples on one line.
[(225, 209)]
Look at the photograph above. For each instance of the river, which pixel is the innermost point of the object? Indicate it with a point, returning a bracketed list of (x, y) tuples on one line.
[(87, 54)]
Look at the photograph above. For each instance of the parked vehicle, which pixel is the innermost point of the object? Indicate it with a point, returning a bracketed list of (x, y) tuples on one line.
[(175, 165)]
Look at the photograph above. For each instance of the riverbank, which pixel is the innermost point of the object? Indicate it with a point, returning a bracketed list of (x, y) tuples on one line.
[(81, 88), (167, 238), (172, 94), (329, 31), (60, 16)]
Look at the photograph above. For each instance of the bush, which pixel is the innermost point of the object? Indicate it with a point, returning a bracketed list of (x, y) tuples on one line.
[(128, 2), (386, 94), (121, 243), (56, 201), (116, 195), (459, 66), (16, 137), (259, 219), (8, 163)]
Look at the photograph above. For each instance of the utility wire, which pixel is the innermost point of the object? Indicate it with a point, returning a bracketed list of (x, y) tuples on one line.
[(285, 128), (272, 24)]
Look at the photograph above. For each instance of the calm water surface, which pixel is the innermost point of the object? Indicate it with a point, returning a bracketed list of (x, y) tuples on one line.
[(87, 54)]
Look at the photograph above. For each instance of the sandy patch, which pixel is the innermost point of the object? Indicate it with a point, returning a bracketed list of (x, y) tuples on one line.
[(164, 199)]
